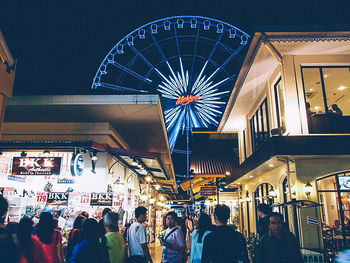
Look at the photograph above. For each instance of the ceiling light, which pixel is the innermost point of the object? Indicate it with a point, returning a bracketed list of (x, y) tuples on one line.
[(311, 89), (325, 75), (157, 187), (342, 88), (227, 173), (161, 198), (148, 178), (271, 165), (238, 183), (251, 176), (317, 107), (134, 162)]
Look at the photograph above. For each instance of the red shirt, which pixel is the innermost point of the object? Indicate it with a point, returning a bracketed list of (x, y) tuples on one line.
[(51, 250)]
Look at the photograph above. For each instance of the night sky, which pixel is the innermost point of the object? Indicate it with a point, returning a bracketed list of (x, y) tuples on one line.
[(60, 44)]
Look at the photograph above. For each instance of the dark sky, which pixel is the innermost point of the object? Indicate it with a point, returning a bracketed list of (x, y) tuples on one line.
[(60, 44)]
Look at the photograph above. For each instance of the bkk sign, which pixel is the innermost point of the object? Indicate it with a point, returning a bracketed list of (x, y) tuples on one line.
[(208, 190), (101, 199), (36, 165), (57, 198), (184, 100)]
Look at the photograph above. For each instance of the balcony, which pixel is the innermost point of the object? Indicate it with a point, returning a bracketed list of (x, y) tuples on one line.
[(329, 124)]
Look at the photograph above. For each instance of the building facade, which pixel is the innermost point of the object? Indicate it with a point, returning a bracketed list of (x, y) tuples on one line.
[(291, 108)]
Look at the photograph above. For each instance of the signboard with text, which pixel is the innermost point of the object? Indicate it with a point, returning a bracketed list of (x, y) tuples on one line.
[(57, 198), (101, 199), (208, 190), (36, 165)]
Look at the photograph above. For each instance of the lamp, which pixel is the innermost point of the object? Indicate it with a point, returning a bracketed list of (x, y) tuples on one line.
[(308, 188), (157, 187), (144, 197), (94, 156), (148, 178), (161, 198)]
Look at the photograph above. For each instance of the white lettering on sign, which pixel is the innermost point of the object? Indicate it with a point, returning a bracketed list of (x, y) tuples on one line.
[(33, 162), (57, 196)]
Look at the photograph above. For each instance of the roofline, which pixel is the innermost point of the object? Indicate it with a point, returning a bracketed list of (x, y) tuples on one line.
[(302, 28)]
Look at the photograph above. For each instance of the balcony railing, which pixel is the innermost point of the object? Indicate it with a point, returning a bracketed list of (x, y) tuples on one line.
[(328, 124)]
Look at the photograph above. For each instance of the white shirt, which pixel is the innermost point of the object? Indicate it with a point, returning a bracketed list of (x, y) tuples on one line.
[(136, 237), (176, 238)]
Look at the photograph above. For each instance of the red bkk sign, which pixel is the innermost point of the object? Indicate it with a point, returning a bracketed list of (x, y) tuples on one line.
[(184, 100)]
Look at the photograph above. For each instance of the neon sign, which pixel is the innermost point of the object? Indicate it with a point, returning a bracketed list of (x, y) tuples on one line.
[(185, 100)]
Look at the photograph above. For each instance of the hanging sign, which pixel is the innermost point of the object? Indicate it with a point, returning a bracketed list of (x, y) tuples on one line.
[(312, 221), (101, 199), (77, 164), (57, 198), (208, 190), (18, 178), (36, 165)]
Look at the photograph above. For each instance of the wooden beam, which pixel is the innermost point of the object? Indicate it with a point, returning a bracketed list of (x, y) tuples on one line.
[(209, 175)]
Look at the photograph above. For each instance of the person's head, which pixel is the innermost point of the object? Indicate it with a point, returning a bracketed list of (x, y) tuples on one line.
[(25, 229), (90, 230), (78, 222), (105, 211), (308, 106), (140, 214), (12, 227), (221, 214), (263, 210), (84, 214), (204, 224), (110, 221), (276, 223), (171, 219), (45, 227), (335, 107), (337, 223), (4, 205)]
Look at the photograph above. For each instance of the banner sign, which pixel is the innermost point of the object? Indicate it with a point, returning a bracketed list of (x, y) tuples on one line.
[(18, 178), (312, 221), (57, 198), (41, 197), (36, 165), (77, 164), (65, 181), (101, 199), (5, 163), (208, 190)]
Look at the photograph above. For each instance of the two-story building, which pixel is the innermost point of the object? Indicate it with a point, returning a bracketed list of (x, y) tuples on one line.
[(291, 108)]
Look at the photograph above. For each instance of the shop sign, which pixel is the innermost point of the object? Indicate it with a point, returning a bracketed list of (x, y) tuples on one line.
[(41, 197), (77, 164), (36, 165), (208, 190), (5, 163), (312, 221), (101, 199), (57, 198), (18, 178), (65, 180), (85, 198), (185, 100)]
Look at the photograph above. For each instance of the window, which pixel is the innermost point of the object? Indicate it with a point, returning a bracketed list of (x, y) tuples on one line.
[(248, 217), (244, 146), (262, 194), (279, 99), (259, 126), (327, 90)]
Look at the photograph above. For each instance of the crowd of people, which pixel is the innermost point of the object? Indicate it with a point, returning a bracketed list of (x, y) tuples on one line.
[(183, 239)]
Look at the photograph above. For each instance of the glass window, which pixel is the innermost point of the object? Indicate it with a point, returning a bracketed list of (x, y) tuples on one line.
[(260, 126), (327, 184), (279, 99), (337, 86), (313, 91)]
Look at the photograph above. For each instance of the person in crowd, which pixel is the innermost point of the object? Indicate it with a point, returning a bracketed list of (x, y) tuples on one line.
[(137, 239), (264, 212), (182, 223), (74, 236), (204, 226), (224, 244), (84, 214), (12, 227), (173, 242), (190, 227), (8, 249), (278, 245), (114, 240), (49, 238), (336, 110), (101, 224), (30, 250), (90, 249)]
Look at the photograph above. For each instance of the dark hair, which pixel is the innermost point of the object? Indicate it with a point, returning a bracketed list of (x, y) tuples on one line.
[(279, 215), (140, 211), (24, 237), (12, 227), (90, 231), (105, 211), (264, 208), (84, 214), (45, 227), (111, 220), (4, 205), (222, 213), (78, 222), (204, 224), (171, 213)]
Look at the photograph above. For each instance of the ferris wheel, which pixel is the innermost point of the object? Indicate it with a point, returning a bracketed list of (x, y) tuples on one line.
[(191, 61)]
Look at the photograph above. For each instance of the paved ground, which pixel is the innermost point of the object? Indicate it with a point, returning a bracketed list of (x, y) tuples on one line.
[(156, 252)]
